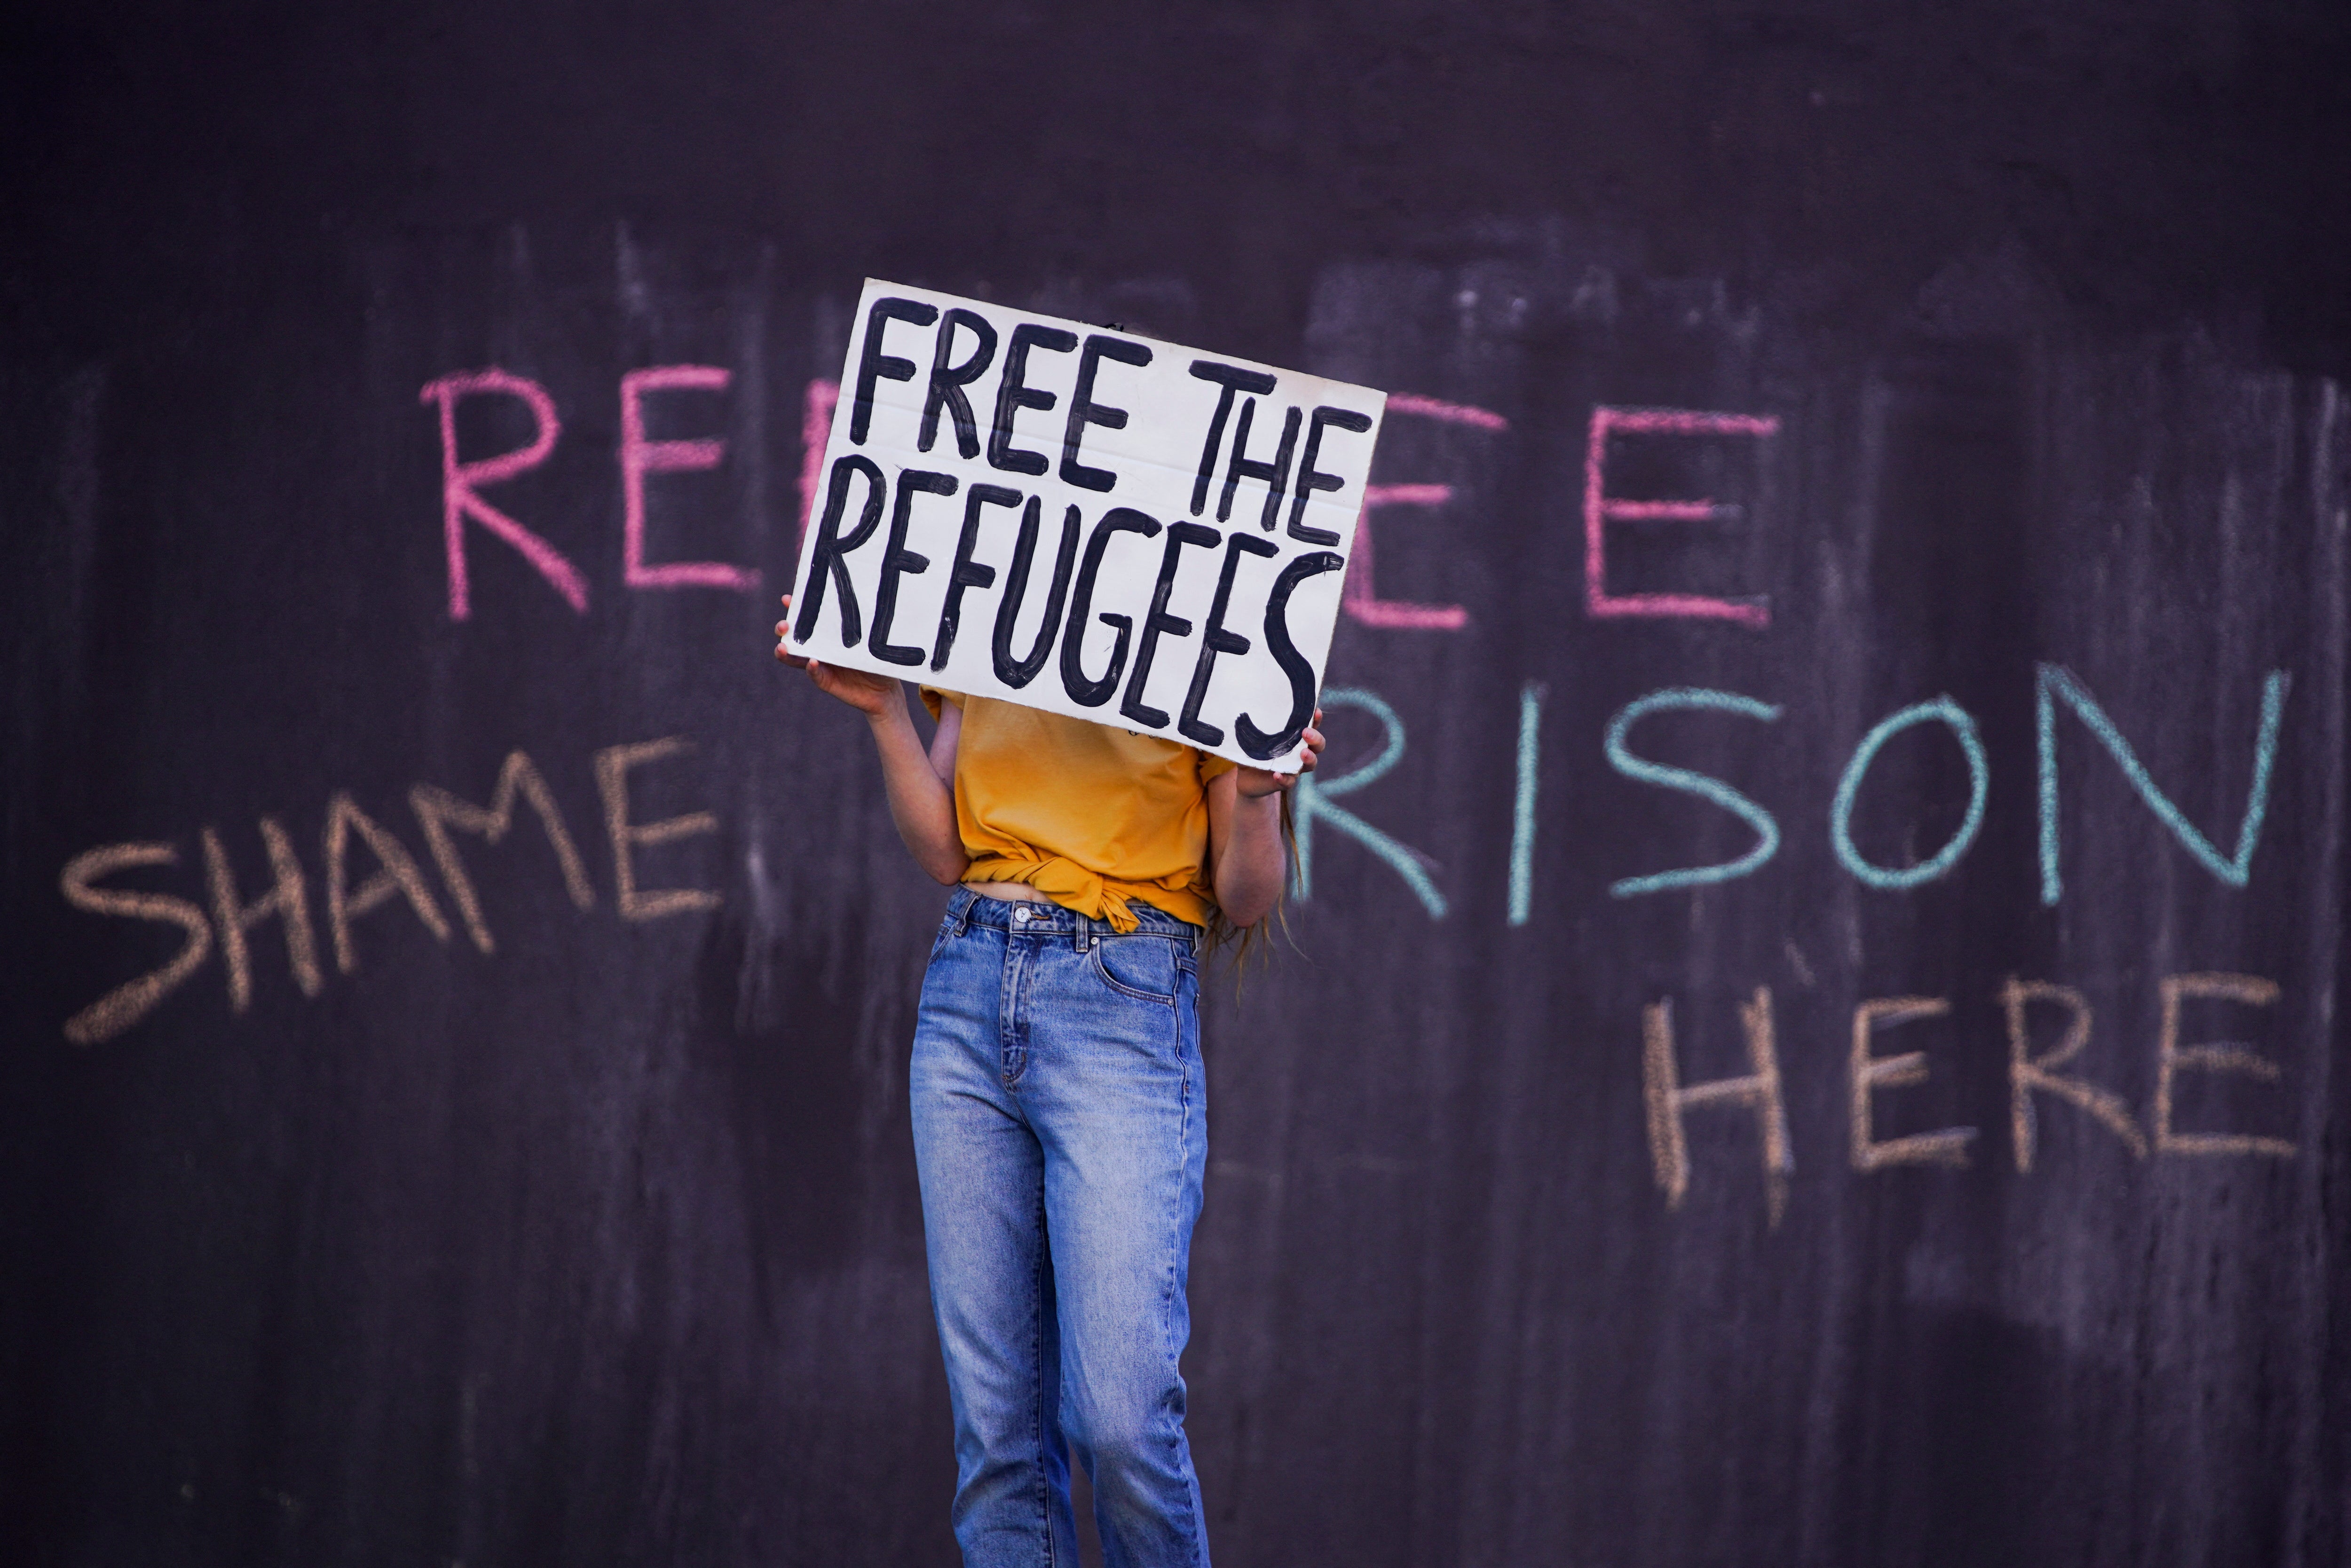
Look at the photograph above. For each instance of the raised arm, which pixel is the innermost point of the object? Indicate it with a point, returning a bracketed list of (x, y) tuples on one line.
[(920, 784), (1245, 853)]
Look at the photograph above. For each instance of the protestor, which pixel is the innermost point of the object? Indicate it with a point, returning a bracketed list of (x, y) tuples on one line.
[(1060, 1108)]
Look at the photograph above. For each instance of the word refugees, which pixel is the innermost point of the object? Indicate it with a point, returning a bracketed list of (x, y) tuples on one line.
[(1190, 520)]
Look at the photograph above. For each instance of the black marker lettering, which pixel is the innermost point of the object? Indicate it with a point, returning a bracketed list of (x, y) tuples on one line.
[(1215, 640), (1241, 465), (947, 381), (1310, 480), (872, 365), (1083, 692), (1085, 411), (1233, 379), (1014, 395), (1019, 673), (968, 572), (1198, 535), (830, 547), (1256, 742), (898, 561)]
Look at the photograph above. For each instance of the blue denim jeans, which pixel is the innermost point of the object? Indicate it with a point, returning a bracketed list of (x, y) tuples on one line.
[(1060, 1134)]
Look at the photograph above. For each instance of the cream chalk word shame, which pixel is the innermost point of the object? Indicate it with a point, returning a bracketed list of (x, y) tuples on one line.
[(1081, 520), (367, 865)]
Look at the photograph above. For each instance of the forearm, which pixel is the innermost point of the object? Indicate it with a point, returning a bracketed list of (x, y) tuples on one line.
[(920, 802), (1252, 864)]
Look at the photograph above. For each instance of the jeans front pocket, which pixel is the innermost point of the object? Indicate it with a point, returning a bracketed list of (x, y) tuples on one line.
[(1143, 966)]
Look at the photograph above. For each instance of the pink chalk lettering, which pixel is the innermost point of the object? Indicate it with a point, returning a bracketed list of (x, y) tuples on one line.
[(1450, 412), (459, 483), (815, 429), (1359, 598), (640, 457), (1361, 601), (1600, 509)]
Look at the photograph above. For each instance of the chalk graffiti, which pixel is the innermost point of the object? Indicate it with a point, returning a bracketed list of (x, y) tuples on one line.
[(1600, 509), (397, 875)]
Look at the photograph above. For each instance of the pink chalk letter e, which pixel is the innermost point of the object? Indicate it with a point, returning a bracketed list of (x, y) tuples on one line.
[(1600, 509), (640, 457), (459, 499), (1361, 598)]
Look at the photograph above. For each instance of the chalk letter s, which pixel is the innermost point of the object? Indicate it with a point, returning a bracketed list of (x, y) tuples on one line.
[(1621, 758), (128, 1003)]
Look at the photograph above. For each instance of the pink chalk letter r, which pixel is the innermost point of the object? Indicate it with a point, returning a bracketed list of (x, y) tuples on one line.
[(459, 482), (640, 457), (815, 429), (1600, 509)]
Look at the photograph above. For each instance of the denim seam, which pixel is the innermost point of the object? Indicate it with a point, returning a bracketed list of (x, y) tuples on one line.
[(1174, 1251), (1037, 1412)]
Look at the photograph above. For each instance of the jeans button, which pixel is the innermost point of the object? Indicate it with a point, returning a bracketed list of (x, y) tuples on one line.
[(1020, 915)]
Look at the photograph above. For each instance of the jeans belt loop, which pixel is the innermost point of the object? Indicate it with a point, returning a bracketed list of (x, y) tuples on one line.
[(963, 914)]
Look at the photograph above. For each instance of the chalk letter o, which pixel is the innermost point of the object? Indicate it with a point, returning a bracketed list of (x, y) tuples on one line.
[(1942, 710)]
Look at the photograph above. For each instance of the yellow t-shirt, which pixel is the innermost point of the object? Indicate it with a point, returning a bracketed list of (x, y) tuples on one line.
[(1088, 814)]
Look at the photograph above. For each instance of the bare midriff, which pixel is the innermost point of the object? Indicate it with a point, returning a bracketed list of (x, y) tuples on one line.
[(1009, 891)]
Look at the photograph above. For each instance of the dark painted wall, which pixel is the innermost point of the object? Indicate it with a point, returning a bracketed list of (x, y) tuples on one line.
[(601, 1246)]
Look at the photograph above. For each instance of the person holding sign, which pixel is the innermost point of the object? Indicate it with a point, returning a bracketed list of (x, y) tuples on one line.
[(1058, 1093)]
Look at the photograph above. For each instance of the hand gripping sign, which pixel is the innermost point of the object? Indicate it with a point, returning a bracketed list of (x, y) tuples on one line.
[(1082, 520)]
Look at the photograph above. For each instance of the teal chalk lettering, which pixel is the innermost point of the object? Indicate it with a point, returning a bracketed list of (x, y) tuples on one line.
[(2055, 682), (1522, 803), (1767, 830), (1312, 806), (1941, 710)]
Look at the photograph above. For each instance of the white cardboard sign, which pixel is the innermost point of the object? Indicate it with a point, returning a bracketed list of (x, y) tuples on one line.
[(1083, 520)]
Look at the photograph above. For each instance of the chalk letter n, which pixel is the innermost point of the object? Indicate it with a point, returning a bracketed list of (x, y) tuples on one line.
[(2055, 682), (1667, 1100), (459, 499)]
